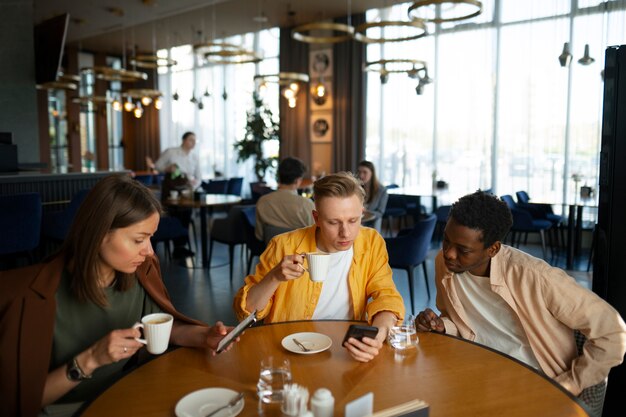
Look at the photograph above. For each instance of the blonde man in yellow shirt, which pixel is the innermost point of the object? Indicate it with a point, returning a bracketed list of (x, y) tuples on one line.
[(359, 284)]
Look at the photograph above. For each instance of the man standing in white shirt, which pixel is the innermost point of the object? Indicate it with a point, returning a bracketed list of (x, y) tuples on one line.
[(175, 162), (183, 159)]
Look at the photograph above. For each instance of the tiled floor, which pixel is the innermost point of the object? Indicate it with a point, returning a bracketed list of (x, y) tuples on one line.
[(207, 294)]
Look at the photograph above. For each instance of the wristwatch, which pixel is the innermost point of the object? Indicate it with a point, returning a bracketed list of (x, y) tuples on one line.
[(74, 373)]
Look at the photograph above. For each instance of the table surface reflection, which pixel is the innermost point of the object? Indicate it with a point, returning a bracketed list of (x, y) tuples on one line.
[(455, 377)]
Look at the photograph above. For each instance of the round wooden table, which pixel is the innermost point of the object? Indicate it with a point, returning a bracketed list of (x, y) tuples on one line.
[(455, 377), (206, 203)]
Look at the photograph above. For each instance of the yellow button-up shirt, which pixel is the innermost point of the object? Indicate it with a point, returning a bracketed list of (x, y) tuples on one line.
[(369, 277)]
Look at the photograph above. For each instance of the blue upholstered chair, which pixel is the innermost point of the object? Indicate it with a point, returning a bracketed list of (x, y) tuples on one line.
[(215, 186), (409, 249), (541, 211), (396, 208), (146, 180), (234, 186), (56, 224), (258, 190), (523, 222), (229, 231), (254, 245), (169, 229), (442, 214), (20, 226)]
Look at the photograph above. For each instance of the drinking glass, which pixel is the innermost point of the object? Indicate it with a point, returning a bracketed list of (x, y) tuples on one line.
[(274, 374), (403, 335)]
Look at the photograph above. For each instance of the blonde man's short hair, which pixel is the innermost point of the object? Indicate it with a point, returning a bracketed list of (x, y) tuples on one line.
[(341, 184)]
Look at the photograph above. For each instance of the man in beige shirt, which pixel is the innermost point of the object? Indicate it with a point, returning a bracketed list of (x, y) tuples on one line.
[(284, 208), (518, 304)]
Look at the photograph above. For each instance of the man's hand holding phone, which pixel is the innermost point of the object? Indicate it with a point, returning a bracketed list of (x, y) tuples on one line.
[(363, 342)]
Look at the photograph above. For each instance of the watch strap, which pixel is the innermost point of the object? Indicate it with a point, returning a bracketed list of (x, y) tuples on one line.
[(74, 371)]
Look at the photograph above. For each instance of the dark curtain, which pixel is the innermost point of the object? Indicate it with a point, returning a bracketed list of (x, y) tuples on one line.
[(349, 98), (294, 123)]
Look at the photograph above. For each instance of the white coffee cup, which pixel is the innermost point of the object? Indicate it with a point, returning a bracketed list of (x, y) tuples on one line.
[(186, 193), (156, 329), (318, 265), (174, 195)]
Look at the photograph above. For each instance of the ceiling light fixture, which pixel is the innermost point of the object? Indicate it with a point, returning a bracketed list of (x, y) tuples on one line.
[(152, 61), (303, 33), (440, 11), (116, 74), (389, 66), (566, 56), (225, 53), (414, 25), (291, 81), (586, 59)]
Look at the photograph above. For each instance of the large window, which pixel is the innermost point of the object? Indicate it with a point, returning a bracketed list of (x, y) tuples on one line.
[(225, 92), (502, 113)]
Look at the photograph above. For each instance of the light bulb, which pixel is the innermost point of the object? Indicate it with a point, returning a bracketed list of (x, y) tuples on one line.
[(295, 87), (292, 102), (289, 93), (117, 106), (138, 112), (320, 90), (146, 101), (263, 87), (158, 103), (129, 106)]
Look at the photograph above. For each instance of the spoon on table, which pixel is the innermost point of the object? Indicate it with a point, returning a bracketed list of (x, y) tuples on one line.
[(304, 348), (231, 403)]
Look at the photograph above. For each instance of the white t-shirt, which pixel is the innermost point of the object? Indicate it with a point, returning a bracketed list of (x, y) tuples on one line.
[(492, 319), (334, 301), (188, 163)]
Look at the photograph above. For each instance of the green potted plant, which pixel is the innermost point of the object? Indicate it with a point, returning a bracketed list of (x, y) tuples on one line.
[(261, 128)]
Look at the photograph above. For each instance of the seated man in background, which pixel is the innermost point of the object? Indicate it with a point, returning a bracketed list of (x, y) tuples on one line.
[(285, 208), (503, 298), (358, 270)]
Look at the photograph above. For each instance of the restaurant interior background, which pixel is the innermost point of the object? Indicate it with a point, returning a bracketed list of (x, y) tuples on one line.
[(510, 100)]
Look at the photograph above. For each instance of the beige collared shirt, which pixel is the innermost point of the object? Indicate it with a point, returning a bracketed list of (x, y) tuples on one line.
[(549, 305), (283, 208)]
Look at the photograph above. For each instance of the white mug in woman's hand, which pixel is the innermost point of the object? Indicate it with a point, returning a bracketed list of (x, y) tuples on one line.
[(156, 329)]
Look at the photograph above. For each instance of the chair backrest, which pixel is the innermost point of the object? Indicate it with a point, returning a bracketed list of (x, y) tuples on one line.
[(509, 201), (215, 186), (412, 249), (396, 201), (146, 180), (249, 216), (522, 197), (169, 228), (269, 231), (234, 186), (20, 222), (391, 186), (522, 220), (442, 213), (259, 189), (231, 229)]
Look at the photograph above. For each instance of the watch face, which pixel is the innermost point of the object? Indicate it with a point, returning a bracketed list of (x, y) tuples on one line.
[(73, 374)]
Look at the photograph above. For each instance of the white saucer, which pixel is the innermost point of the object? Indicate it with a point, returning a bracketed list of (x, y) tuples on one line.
[(202, 402), (316, 342)]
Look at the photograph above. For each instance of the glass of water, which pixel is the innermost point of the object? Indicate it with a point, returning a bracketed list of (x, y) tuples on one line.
[(274, 374), (403, 335)]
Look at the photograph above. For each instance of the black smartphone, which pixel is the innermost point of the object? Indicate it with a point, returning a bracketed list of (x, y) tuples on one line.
[(359, 332), (228, 339)]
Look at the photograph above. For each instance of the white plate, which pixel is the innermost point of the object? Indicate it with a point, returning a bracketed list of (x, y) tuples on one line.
[(316, 342), (202, 402)]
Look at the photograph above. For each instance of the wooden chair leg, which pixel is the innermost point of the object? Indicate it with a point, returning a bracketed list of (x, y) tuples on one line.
[(231, 250)]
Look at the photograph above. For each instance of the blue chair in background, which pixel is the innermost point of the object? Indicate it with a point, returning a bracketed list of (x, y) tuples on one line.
[(541, 211), (396, 208), (215, 186), (169, 229), (258, 190), (523, 222), (229, 231), (234, 186), (146, 180), (442, 214), (56, 224), (254, 245), (20, 226), (409, 249)]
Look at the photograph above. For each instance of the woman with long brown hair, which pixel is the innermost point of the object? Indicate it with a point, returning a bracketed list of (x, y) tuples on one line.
[(67, 323), (375, 193)]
